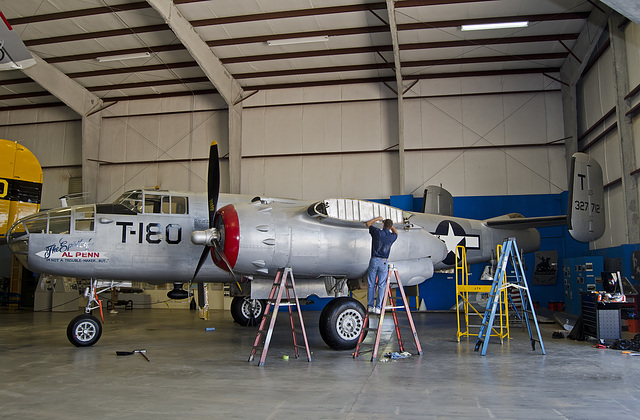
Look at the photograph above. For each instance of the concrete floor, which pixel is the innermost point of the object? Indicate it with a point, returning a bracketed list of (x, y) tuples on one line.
[(200, 374)]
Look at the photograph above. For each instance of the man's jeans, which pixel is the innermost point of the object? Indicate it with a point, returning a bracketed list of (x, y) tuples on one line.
[(377, 267)]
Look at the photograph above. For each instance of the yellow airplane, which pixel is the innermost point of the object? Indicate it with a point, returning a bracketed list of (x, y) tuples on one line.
[(20, 184)]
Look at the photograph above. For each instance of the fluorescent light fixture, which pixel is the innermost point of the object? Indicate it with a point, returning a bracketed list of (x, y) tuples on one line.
[(123, 57), (292, 41), (504, 25)]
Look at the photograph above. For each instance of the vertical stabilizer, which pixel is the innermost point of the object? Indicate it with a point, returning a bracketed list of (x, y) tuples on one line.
[(586, 199), (437, 200)]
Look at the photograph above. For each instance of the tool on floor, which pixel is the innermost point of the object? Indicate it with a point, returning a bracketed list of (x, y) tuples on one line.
[(508, 254), (283, 282), (129, 353), (389, 299)]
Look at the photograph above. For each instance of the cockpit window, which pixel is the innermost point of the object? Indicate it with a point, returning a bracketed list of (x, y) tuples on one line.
[(152, 203), (179, 205), (60, 221), (36, 224), (84, 219), (131, 200)]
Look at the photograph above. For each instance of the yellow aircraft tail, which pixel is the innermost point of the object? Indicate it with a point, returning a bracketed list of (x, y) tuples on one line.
[(20, 184)]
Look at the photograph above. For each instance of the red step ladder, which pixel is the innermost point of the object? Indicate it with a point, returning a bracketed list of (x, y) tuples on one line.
[(283, 282), (389, 298)]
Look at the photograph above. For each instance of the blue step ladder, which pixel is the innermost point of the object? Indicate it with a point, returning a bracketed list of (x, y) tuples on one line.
[(509, 254)]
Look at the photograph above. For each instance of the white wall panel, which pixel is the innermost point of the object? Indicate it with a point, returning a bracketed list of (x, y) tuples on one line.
[(284, 175), (615, 229), (553, 115), (283, 130), (636, 139), (388, 124), (413, 123), (590, 108), (607, 80), (632, 38), (441, 122), (320, 176), (429, 87), (525, 121), (253, 135), (444, 168), (361, 126), (528, 170), (113, 139), (321, 128), (252, 176), (557, 169), (485, 172), (613, 156), (481, 84), (483, 118)]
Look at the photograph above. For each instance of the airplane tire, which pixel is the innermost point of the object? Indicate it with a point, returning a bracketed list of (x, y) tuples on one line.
[(241, 310), (84, 330), (341, 323)]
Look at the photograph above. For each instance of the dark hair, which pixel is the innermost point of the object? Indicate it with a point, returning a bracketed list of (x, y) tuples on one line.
[(387, 223)]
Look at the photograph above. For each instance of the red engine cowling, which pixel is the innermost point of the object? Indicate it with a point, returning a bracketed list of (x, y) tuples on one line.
[(227, 224)]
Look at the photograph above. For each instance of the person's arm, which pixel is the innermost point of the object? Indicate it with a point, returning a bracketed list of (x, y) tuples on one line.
[(372, 221), (393, 229)]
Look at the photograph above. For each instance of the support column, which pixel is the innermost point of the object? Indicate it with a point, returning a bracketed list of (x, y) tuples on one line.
[(391, 11), (90, 155), (235, 147), (625, 127)]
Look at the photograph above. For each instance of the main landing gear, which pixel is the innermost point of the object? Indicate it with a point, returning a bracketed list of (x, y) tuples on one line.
[(340, 323), (246, 311)]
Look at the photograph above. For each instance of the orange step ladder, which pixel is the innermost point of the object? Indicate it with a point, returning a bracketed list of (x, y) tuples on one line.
[(389, 299), (283, 282)]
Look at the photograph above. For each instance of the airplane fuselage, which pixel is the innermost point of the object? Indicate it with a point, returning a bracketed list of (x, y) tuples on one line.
[(146, 237)]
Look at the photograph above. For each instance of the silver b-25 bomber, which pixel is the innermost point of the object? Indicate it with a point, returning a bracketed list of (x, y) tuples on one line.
[(159, 237)]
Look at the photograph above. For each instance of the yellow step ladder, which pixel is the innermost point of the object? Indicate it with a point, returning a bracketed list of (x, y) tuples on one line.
[(464, 289)]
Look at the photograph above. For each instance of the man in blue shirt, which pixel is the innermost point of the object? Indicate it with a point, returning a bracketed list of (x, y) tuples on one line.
[(381, 241)]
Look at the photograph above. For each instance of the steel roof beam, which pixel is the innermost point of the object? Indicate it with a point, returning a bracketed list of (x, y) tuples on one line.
[(226, 85), (81, 101)]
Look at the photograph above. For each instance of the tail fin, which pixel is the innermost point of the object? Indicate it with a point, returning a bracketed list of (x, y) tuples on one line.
[(437, 200), (586, 199)]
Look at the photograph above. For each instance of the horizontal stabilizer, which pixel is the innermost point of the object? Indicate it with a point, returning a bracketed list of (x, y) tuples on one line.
[(517, 221), (586, 199)]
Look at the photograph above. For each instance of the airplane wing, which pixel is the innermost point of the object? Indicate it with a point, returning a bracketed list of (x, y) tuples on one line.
[(13, 53)]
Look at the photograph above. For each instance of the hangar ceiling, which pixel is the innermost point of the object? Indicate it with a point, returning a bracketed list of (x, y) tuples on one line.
[(267, 44)]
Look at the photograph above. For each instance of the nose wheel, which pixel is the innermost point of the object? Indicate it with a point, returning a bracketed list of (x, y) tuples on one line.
[(84, 330)]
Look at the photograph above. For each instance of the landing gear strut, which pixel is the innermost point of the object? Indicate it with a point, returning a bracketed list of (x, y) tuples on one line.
[(85, 330)]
